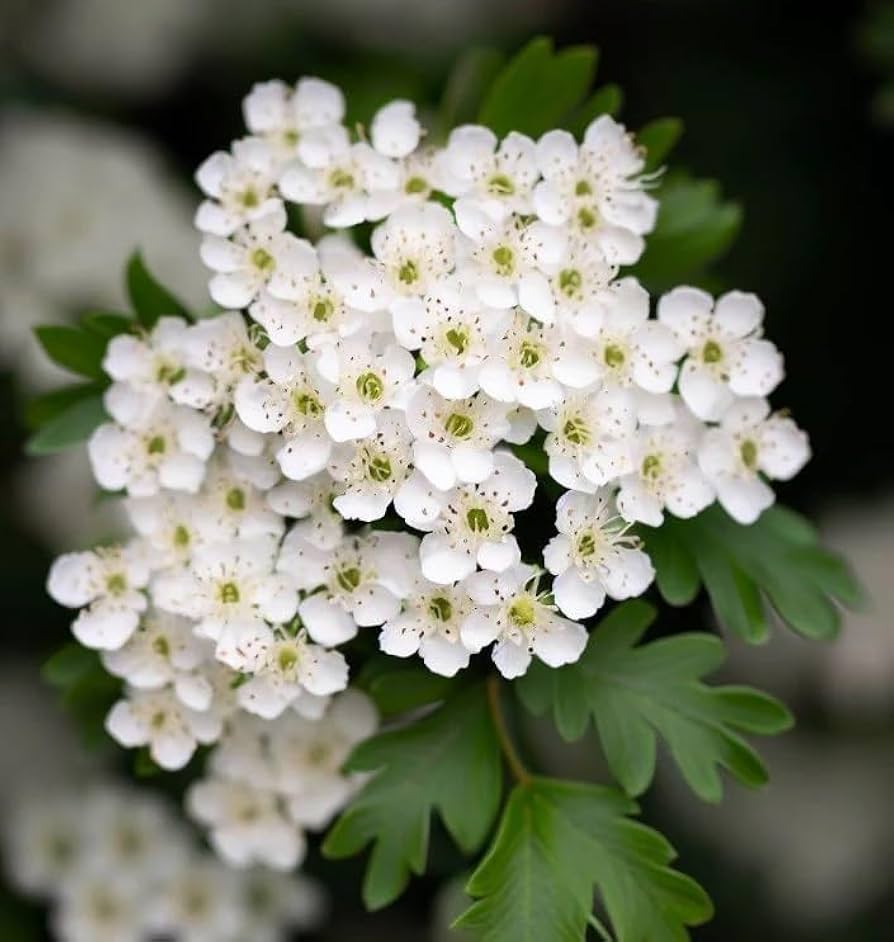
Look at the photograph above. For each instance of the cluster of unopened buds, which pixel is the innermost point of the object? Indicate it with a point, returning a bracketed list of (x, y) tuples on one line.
[(337, 451)]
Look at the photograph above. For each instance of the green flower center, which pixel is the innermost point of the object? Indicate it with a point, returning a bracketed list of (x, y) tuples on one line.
[(263, 260), (500, 185), (341, 179), (458, 338), (576, 431), (586, 544), (378, 468), (169, 373), (570, 281), (229, 593), (161, 646), (748, 451), (530, 354), (459, 426), (522, 612), (614, 356), (236, 498), (116, 583), (478, 520), (249, 198), (416, 185), (181, 536), (651, 467), (307, 404), (370, 386), (323, 309), (287, 658), (348, 578), (408, 273), (440, 609), (156, 445), (712, 352), (582, 188), (504, 260), (587, 218)]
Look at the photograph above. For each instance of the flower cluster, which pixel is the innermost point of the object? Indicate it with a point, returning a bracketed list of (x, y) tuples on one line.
[(338, 450), (117, 866)]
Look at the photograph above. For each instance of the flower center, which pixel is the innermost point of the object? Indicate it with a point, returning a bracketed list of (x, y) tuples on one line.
[(570, 281), (477, 519), (116, 583), (459, 426), (181, 536), (748, 451), (500, 185), (263, 260), (576, 431), (712, 352), (348, 578), (341, 179), (614, 356), (522, 612), (287, 658), (156, 445), (236, 498), (587, 218), (504, 260), (651, 467), (229, 593), (440, 609), (249, 198), (370, 386), (586, 544), (378, 468), (582, 188), (323, 309), (416, 185), (161, 646), (530, 354), (458, 338), (408, 273), (307, 403)]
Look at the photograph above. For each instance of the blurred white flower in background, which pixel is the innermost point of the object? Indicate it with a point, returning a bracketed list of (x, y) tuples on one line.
[(63, 236)]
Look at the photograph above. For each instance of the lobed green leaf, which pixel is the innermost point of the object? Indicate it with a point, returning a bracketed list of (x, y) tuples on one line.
[(68, 426), (148, 297), (76, 350)]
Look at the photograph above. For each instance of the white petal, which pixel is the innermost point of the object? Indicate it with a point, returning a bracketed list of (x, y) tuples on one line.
[(400, 638), (394, 130), (562, 644), (757, 369), (443, 657), (707, 396), (784, 448), (326, 622), (434, 462), (472, 465), (744, 499), (498, 557), (739, 313), (478, 630), (628, 575), (512, 660), (576, 598), (441, 563), (686, 311)]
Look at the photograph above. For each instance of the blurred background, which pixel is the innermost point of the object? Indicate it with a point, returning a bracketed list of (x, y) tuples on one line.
[(106, 108)]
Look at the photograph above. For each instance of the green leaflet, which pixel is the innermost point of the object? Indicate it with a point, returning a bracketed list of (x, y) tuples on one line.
[(778, 558), (605, 100), (635, 694), (76, 350), (559, 840), (448, 762), (539, 89), (658, 138), (469, 78), (150, 299), (694, 228), (70, 425)]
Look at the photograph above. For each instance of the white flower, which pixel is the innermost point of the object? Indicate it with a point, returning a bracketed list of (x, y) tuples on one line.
[(352, 181), (394, 130), (286, 117), (153, 362), (578, 279), (308, 755), (369, 374), (415, 246), (593, 555), (450, 327), (220, 347), (429, 624), (107, 584), (748, 445), (522, 620), (199, 902), (247, 824), (372, 470), (475, 522), (618, 344), (157, 719), (505, 260), (166, 448), (665, 474), (589, 438), (171, 522), (303, 300), (519, 365), (726, 356), (245, 262), (311, 502), (229, 588), (274, 902), (241, 186), (45, 843), (362, 581), (101, 907), (293, 400), (597, 187), (287, 670), (498, 178), (454, 439), (162, 651)]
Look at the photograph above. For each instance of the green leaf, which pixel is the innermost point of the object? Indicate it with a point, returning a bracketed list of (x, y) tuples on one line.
[(68, 427), (397, 690), (470, 77), (695, 227), (659, 137), (106, 324), (777, 559), (635, 694), (539, 89), (76, 350), (605, 100), (150, 299), (71, 663), (557, 841), (448, 762), (40, 409)]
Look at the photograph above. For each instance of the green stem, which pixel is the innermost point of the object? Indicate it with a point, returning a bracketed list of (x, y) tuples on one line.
[(513, 760), (601, 931)]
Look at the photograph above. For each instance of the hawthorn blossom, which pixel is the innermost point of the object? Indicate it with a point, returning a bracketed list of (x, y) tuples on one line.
[(751, 444), (594, 555)]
